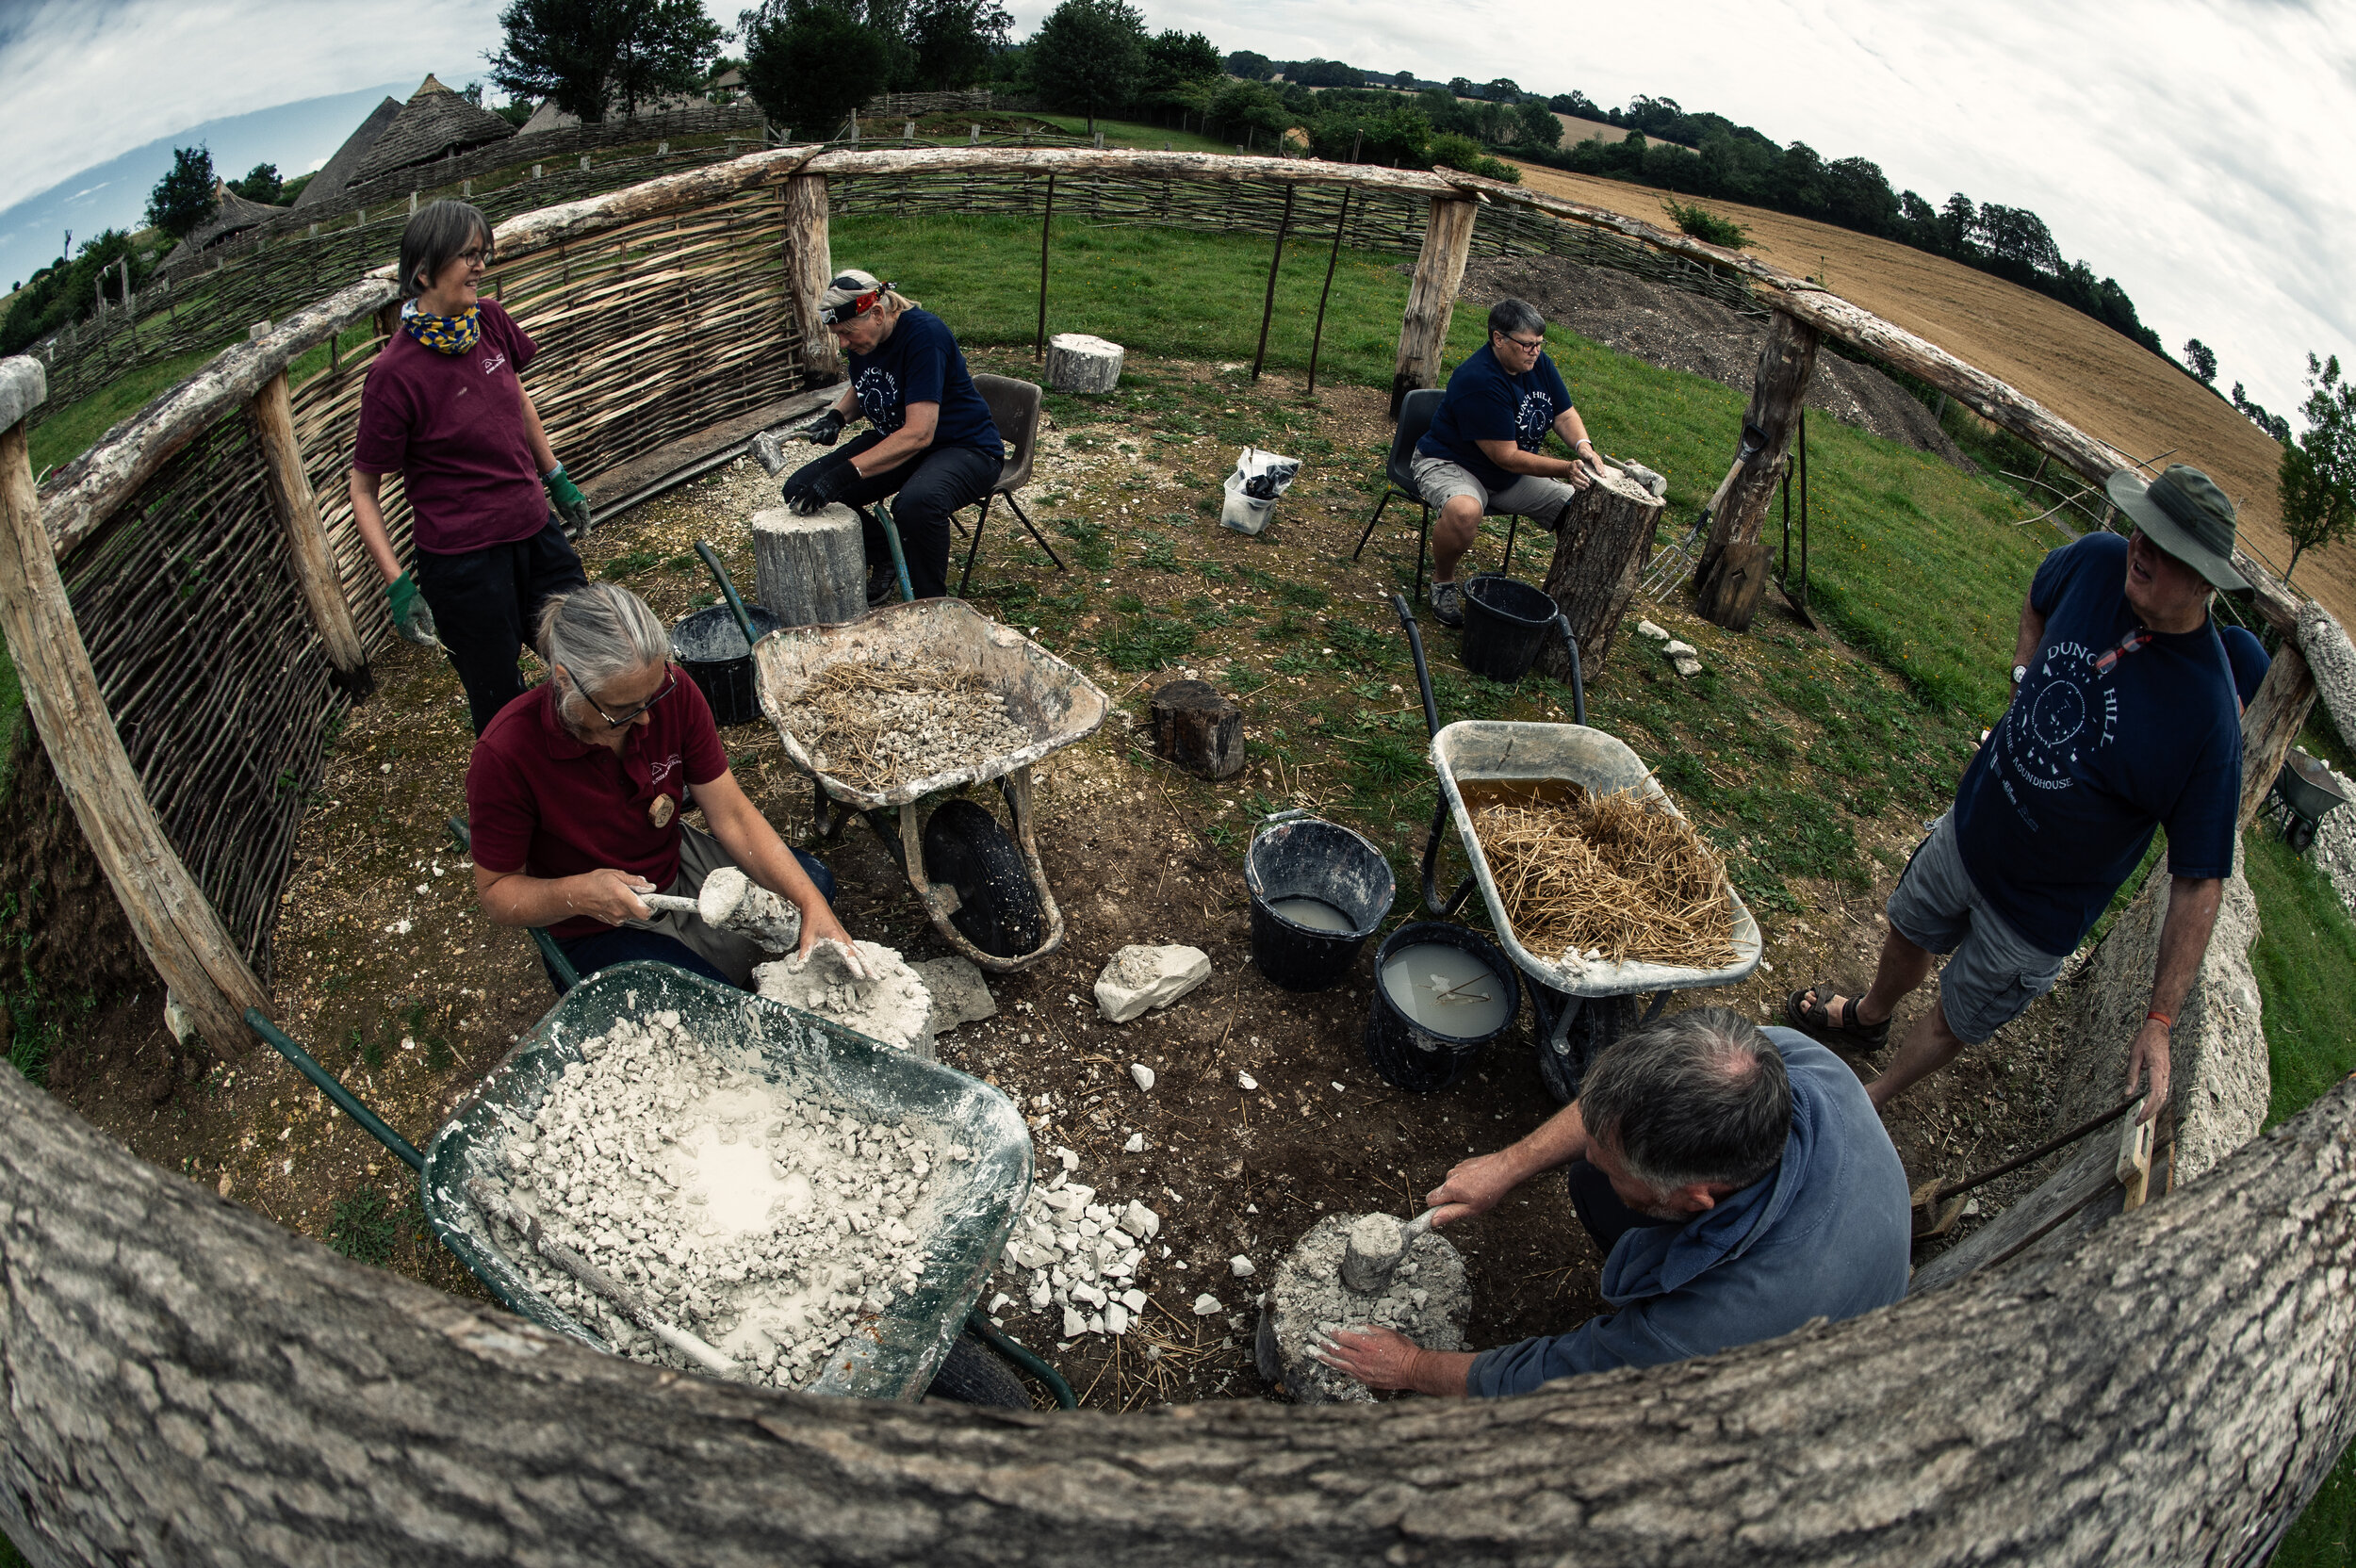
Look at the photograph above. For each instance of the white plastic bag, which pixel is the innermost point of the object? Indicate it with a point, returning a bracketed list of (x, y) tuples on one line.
[(1252, 488)]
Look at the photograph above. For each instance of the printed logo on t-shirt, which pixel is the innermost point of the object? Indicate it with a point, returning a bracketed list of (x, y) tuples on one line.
[(878, 394), (2066, 710), (663, 769), (1533, 420), (493, 363)]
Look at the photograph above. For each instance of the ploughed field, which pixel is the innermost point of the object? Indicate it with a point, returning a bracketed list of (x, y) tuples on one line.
[(1808, 766)]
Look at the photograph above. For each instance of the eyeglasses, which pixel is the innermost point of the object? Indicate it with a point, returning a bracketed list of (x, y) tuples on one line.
[(1527, 345), (478, 256), (620, 720)]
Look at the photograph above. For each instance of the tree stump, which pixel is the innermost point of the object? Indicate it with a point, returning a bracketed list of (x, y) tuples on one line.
[(1599, 553), (1196, 730), (1729, 595), (810, 571), (1078, 363)]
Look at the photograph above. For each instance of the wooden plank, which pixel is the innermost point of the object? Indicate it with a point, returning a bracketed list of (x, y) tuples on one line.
[(307, 553), (181, 935), (2084, 1180), (1431, 297), (2269, 724)]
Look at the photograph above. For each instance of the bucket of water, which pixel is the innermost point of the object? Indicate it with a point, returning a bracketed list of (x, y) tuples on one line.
[(1506, 622), (1318, 892), (1441, 994)]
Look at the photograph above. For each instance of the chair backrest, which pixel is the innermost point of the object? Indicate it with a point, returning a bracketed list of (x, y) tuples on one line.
[(1415, 414), (1014, 407)]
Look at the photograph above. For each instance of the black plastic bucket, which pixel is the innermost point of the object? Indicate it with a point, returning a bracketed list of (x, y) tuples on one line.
[(710, 647), (1506, 622), (1314, 858), (1409, 1055)]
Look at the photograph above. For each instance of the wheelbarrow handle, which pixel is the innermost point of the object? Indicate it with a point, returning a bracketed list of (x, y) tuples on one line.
[(899, 557), (736, 602), (1438, 907), (1423, 669), (333, 1088)]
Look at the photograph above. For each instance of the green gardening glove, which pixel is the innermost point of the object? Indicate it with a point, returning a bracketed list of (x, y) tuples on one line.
[(569, 502), (412, 616)]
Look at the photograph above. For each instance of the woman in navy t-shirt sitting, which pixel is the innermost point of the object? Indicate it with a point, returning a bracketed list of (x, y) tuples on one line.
[(933, 445)]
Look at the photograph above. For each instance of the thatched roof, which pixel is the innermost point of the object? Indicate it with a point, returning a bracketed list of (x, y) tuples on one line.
[(338, 171), (547, 117), (434, 120), (232, 216)]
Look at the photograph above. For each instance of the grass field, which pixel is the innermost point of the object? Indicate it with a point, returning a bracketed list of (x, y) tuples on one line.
[(1133, 133)]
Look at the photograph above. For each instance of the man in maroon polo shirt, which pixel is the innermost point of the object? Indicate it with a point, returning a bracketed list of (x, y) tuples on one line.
[(574, 799)]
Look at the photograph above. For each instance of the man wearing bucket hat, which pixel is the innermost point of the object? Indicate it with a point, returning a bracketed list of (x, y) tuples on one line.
[(933, 445), (2123, 718)]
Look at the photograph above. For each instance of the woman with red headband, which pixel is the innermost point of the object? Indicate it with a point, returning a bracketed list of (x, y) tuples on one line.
[(933, 445)]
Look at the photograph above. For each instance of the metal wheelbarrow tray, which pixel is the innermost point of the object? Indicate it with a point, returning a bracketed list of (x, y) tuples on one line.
[(890, 1356), (1050, 699)]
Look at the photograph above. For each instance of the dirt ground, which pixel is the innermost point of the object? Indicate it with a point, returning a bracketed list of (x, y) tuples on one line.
[(388, 972), (2098, 380)]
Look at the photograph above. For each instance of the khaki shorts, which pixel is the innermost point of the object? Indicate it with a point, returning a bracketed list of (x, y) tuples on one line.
[(730, 953), (1530, 495)]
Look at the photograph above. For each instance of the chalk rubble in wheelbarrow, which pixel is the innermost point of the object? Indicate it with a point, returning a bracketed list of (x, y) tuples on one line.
[(1052, 701), (890, 1356), (1490, 750)]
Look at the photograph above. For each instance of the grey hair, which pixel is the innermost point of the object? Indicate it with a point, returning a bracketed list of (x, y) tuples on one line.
[(1509, 317), (1701, 1096), (598, 634), (849, 282), (434, 237)]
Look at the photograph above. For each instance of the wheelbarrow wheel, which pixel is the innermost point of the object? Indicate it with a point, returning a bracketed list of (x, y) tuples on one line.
[(998, 909), (972, 1374), (1600, 1020)]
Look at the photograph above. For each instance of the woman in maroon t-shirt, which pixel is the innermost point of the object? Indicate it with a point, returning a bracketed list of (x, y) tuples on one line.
[(445, 407)]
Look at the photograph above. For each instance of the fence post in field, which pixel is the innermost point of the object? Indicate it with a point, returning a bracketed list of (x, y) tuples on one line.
[(1439, 268), (307, 551), (808, 267), (1786, 361), (175, 924), (2271, 723)]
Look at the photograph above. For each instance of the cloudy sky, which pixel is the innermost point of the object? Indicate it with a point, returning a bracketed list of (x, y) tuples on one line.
[(2194, 149)]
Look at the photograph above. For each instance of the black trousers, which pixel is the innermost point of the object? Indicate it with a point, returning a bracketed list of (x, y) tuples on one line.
[(486, 605), (930, 486), (1599, 1208)]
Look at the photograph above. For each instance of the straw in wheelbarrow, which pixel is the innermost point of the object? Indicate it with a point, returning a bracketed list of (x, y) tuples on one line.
[(1606, 877), (871, 727)]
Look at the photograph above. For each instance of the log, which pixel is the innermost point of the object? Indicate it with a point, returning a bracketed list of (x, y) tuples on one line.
[(1196, 730), (1731, 596), (810, 571), (1079, 363), (1599, 556), (308, 554), (2333, 662), (190, 1384), (181, 935), (2269, 724), (1431, 297), (1786, 360), (809, 267)]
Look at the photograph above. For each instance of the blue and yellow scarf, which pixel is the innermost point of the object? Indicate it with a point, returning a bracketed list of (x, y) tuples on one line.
[(446, 335)]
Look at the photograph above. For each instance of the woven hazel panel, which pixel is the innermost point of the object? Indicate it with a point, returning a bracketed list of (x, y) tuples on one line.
[(209, 666)]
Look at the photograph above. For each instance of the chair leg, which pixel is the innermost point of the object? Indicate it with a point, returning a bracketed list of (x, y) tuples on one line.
[(975, 548), (1387, 494), (1032, 528), (1513, 526), (1423, 546)]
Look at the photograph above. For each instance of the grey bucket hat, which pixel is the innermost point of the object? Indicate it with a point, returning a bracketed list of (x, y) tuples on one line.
[(2186, 515)]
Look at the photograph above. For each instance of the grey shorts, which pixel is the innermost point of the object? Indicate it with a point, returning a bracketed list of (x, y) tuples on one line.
[(732, 953), (1530, 495), (1994, 973)]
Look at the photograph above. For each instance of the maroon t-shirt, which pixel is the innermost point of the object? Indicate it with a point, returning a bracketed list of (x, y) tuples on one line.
[(453, 427), (544, 802)]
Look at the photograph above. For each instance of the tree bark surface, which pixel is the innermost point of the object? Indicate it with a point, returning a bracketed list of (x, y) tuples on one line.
[(188, 1383), (810, 571), (1599, 553), (1431, 297), (1786, 360), (809, 267)]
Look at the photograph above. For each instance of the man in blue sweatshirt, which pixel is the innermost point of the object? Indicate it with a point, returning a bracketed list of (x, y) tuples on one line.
[(1738, 1181)]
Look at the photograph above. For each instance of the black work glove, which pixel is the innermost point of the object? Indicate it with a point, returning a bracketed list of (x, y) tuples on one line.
[(820, 484), (826, 429)]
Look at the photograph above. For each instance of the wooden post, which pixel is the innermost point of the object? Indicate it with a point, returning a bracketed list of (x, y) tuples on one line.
[(1786, 360), (1430, 298), (307, 550), (2271, 723), (1268, 307), (1316, 333), (1046, 227), (809, 267), (1599, 555), (176, 925)]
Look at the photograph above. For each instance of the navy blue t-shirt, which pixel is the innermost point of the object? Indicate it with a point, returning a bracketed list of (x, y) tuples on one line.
[(2249, 657), (919, 364), (1483, 403), (2116, 730)]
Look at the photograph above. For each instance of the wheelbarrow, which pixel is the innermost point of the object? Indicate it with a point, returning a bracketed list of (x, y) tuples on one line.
[(984, 888), (893, 1355), (2304, 792), (1582, 1005)]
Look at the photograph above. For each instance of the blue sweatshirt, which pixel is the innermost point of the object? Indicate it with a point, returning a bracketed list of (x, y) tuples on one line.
[(1827, 1233)]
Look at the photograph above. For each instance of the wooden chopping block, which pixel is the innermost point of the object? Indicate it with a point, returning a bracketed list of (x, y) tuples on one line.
[(1196, 730), (810, 571), (1078, 362), (1731, 596)]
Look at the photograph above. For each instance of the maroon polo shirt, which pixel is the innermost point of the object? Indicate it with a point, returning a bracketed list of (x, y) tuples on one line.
[(453, 427), (544, 802)]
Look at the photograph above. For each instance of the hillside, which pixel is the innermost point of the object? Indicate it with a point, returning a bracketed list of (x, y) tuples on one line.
[(2098, 380), (1577, 130)]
